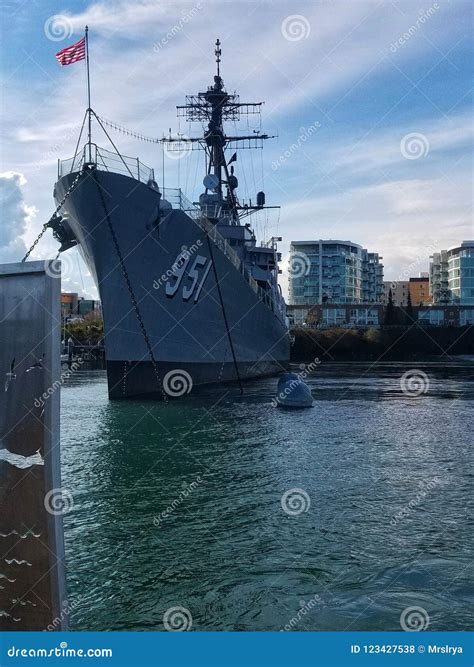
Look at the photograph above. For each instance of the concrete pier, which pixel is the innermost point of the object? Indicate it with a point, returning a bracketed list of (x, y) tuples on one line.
[(32, 582)]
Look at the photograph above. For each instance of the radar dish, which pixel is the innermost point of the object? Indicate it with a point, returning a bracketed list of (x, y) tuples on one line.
[(211, 181)]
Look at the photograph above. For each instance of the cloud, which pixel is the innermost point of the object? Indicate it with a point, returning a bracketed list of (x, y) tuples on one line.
[(385, 147), (369, 155), (15, 216), (403, 220), (128, 18), (343, 44), (146, 55)]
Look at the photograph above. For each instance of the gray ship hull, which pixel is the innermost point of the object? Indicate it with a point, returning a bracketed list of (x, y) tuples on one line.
[(205, 322)]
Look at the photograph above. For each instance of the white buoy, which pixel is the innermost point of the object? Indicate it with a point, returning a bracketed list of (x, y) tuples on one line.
[(292, 392)]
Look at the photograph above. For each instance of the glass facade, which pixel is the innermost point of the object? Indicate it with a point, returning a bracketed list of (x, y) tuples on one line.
[(466, 317), (333, 272), (461, 274), (431, 316), (372, 278), (452, 275)]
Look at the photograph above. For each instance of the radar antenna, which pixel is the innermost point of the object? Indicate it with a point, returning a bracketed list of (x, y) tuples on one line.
[(213, 107), (218, 53)]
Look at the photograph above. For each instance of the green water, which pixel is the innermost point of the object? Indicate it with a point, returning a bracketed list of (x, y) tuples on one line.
[(181, 504)]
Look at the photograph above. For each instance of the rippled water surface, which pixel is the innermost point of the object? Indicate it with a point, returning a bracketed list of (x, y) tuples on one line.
[(179, 504)]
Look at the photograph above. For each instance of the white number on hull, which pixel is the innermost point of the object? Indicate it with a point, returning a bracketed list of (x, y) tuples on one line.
[(195, 277), (179, 267)]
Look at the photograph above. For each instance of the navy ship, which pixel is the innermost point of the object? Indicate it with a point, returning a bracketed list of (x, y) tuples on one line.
[(189, 297)]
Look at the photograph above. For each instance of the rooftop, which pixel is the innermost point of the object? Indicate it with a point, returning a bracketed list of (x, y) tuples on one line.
[(325, 241)]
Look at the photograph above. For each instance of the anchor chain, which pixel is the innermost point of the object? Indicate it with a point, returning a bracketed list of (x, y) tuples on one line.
[(224, 314), (130, 288), (58, 208)]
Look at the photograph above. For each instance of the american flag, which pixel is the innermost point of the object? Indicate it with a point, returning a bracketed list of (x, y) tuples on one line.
[(71, 54)]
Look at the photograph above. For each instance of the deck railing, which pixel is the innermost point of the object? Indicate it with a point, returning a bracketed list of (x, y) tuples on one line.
[(106, 161), (114, 162), (210, 229)]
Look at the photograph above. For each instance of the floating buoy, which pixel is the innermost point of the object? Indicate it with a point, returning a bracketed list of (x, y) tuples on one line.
[(292, 392)]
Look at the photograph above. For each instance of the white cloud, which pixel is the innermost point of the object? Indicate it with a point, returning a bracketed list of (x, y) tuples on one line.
[(345, 43), (138, 85), (375, 150), (16, 214), (405, 221)]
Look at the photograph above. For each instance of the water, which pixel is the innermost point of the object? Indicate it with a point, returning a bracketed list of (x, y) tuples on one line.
[(385, 528)]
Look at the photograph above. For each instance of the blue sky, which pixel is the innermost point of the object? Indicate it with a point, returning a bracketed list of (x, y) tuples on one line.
[(371, 102)]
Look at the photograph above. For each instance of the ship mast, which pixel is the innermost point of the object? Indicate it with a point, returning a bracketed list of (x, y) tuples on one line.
[(214, 106), (217, 99)]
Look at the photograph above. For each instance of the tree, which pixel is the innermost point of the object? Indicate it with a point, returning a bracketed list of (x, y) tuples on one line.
[(409, 311), (389, 310), (88, 331)]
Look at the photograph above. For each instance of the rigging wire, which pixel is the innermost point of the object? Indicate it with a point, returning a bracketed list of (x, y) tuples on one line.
[(78, 260), (130, 133), (179, 156), (243, 170), (195, 173), (186, 180), (266, 214), (163, 167), (257, 221), (260, 224), (154, 140)]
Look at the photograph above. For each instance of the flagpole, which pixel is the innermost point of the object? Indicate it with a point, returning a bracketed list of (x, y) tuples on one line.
[(89, 110)]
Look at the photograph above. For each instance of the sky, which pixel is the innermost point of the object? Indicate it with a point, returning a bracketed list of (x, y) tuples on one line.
[(370, 102)]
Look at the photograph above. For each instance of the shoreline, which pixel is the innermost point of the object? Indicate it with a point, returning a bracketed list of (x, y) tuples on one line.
[(383, 344)]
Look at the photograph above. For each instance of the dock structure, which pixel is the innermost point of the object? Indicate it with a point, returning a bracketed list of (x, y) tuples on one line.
[(32, 573)]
